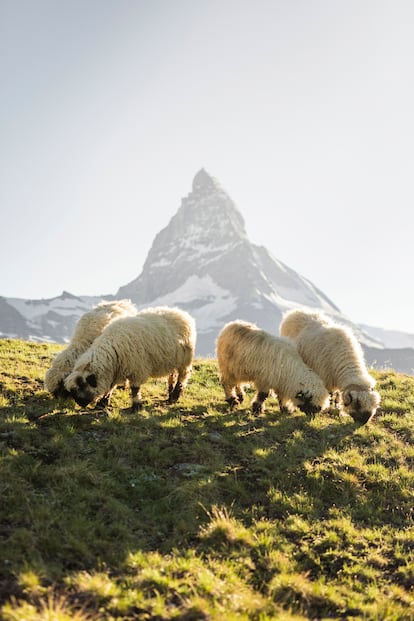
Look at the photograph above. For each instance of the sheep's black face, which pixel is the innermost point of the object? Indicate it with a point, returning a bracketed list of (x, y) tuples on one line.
[(361, 417), (361, 405), (305, 403), (83, 392)]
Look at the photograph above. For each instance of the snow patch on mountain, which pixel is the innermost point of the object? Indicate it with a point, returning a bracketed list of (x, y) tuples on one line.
[(64, 305), (203, 298), (49, 320)]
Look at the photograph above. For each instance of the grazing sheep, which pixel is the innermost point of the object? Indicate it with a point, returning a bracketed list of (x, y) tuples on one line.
[(89, 326), (247, 354), (333, 352), (157, 342)]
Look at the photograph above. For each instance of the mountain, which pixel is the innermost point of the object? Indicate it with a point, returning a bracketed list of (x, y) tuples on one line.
[(203, 262)]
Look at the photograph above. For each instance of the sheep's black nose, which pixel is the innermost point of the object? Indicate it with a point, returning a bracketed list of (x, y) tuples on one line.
[(61, 392), (82, 401), (309, 408), (361, 417)]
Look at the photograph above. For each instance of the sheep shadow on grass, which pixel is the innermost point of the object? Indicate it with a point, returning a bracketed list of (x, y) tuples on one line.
[(82, 489)]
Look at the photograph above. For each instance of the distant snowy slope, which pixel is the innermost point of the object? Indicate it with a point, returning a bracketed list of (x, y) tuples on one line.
[(392, 339), (45, 320)]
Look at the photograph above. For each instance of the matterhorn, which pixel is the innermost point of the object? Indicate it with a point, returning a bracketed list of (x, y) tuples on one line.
[(204, 263)]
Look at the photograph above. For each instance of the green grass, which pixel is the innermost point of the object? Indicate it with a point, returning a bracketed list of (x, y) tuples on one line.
[(193, 512)]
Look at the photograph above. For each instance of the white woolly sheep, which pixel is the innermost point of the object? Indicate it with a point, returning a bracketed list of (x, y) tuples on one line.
[(88, 327), (157, 342), (247, 354), (334, 353)]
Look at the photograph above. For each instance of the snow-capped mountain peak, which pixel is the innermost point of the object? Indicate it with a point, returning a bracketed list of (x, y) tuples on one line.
[(203, 182), (206, 226), (209, 213)]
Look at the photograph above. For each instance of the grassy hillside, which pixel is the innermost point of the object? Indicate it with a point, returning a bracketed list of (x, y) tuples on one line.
[(192, 512)]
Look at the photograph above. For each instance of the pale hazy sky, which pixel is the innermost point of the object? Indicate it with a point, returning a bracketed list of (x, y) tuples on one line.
[(302, 109)]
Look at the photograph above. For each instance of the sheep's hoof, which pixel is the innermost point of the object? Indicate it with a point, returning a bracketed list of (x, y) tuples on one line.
[(102, 404), (136, 407), (232, 401), (257, 407)]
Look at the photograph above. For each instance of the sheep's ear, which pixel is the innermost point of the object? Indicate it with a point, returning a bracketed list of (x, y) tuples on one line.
[(347, 398), (91, 379)]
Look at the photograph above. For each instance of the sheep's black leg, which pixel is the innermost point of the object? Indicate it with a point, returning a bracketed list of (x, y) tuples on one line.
[(283, 408), (335, 400), (182, 378), (240, 393), (258, 403), (232, 401), (104, 402), (229, 387), (172, 380), (174, 395), (136, 398), (170, 392)]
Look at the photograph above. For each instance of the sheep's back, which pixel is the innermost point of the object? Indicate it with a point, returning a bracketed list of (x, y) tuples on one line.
[(92, 323), (248, 353), (333, 353), (297, 320), (153, 343)]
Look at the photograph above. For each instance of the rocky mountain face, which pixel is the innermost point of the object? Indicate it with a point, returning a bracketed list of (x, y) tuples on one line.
[(203, 262)]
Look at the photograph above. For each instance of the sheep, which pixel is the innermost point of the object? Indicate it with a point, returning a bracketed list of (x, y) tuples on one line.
[(334, 353), (247, 354), (157, 342), (89, 326)]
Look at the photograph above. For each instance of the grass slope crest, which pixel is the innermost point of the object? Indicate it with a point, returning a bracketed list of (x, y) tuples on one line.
[(193, 512)]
